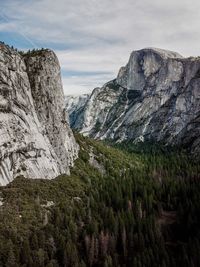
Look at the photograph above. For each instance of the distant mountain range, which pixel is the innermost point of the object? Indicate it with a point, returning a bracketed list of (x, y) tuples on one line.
[(74, 105)]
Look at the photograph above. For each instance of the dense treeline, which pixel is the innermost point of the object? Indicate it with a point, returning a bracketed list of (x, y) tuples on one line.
[(30, 52), (131, 207)]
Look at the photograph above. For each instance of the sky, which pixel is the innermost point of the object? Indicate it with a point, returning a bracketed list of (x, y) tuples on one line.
[(94, 38)]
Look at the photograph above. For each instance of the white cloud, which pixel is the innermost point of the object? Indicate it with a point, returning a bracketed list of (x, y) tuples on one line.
[(94, 60), (72, 84), (99, 35)]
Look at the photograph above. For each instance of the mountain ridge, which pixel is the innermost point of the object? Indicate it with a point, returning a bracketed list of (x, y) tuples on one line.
[(155, 97)]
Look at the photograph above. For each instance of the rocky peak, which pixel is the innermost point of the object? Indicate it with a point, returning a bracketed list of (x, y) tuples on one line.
[(35, 139), (157, 51), (155, 97), (145, 63)]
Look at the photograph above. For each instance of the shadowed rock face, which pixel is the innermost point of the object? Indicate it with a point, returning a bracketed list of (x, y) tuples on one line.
[(156, 97), (35, 139)]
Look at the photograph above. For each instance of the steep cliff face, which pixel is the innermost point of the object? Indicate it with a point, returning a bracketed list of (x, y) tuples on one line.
[(156, 97), (35, 139)]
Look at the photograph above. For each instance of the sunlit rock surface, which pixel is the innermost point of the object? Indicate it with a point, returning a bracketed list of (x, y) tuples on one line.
[(35, 139)]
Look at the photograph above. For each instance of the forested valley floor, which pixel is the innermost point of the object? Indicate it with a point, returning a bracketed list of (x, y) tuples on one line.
[(121, 206)]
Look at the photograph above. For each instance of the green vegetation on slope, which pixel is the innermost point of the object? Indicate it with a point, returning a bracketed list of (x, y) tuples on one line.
[(34, 52), (123, 208)]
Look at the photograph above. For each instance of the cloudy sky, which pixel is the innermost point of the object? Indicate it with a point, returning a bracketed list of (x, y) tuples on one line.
[(94, 38)]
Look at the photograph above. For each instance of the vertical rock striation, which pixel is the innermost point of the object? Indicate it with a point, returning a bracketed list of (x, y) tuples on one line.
[(35, 139)]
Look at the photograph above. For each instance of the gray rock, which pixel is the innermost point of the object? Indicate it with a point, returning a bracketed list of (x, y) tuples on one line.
[(35, 139), (155, 97), (74, 106)]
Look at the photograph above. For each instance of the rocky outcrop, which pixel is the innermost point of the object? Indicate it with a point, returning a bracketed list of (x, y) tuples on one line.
[(35, 139), (155, 97)]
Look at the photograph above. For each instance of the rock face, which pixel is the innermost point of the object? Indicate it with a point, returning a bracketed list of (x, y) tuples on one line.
[(156, 97), (35, 139), (74, 106)]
